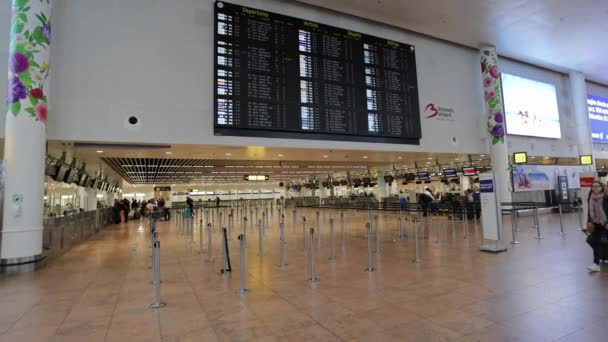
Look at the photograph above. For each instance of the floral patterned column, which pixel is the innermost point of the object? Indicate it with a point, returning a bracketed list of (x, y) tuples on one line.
[(25, 136), (494, 115)]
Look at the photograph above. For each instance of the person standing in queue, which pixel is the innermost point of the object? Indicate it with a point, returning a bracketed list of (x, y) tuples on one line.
[(597, 224), (190, 205)]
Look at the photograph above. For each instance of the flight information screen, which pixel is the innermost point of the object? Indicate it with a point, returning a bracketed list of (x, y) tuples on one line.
[(283, 77)]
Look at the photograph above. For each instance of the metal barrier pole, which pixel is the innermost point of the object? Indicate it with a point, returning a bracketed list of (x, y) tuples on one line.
[(157, 304), (304, 233), (475, 220), (377, 234), (209, 240), (261, 240), (243, 289), (538, 235), (580, 219), (453, 225), (332, 256), (417, 260), (294, 220), (400, 226), (283, 245), (561, 220), (251, 225), (200, 238), (342, 226), (514, 226), (313, 277), (318, 227), (223, 234), (191, 223), (370, 267), (245, 229), (466, 224)]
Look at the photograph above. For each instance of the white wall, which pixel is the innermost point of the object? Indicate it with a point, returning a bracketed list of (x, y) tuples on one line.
[(564, 147), (112, 59), (600, 150)]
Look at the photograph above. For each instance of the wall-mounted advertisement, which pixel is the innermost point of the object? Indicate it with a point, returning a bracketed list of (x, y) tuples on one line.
[(544, 177), (530, 107), (597, 107)]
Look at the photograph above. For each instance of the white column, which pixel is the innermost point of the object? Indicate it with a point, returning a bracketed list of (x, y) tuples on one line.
[(494, 115), (25, 131), (91, 199), (382, 187), (578, 93)]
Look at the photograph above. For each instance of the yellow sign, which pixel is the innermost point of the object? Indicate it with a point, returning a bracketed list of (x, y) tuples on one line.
[(586, 160), (520, 157)]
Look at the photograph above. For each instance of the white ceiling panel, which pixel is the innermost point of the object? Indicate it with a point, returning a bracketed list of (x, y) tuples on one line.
[(558, 34)]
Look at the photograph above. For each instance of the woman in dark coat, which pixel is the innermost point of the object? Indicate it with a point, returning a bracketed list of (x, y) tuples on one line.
[(597, 224)]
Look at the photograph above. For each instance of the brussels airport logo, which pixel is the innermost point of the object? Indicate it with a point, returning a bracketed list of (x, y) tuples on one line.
[(439, 113)]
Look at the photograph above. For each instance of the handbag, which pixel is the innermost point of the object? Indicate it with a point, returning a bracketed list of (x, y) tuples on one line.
[(590, 227)]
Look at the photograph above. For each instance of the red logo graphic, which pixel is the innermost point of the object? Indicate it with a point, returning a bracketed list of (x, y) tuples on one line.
[(434, 111)]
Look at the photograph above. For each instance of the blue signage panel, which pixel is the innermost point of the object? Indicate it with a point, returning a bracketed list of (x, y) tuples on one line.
[(486, 186), (597, 108)]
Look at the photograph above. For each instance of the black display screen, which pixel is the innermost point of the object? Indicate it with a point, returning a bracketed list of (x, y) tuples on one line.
[(283, 77)]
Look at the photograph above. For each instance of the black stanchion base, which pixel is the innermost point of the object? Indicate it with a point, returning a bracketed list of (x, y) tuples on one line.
[(157, 305)]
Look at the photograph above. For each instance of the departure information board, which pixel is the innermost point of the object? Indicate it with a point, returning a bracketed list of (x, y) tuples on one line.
[(283, 77)]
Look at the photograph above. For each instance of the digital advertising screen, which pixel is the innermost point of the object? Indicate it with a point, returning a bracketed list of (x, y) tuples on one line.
[(423, 175), (469, 171), (449, 173), (597, 107), (530, 107)]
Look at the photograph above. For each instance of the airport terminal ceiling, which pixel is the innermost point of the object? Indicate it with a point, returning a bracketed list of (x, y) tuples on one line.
[(202, 164)]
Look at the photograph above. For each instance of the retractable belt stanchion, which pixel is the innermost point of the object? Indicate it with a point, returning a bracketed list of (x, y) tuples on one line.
[(242, 239), (514, 226), (370, 267), (283, 243), (313, 276), (342, 226), (536, 224), (261, 240), (304, 238), (200, 238), (400, 236), (377, 234), (245, 229), (157, 304), (225, 257), (417, 260), (251, 224), (466, 224), (332, 256), (561, 220), (580, 219), (209, 240), (318, 227), (294, 220)]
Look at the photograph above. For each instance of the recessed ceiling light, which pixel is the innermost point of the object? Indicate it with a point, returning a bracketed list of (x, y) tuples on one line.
[(429, 158), (228, 153), (279, 155), (482, 155), (169, 152), (399, 157), (99, 151), (364, 157), (457, 158), (325, 156)]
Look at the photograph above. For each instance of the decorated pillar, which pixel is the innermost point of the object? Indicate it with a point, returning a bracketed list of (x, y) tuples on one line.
[(578, 92), (25, 133), (495, 117)]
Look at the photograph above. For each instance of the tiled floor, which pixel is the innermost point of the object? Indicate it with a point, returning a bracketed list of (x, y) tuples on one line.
[(100, 291)]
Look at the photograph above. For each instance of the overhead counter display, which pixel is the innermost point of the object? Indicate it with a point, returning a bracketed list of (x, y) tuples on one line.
[(283, 77)]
